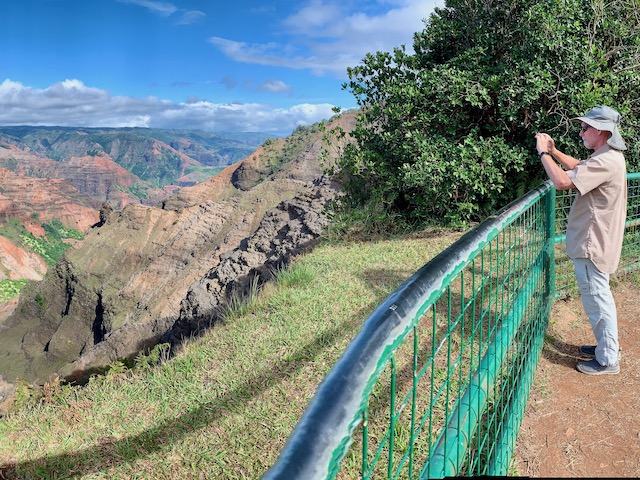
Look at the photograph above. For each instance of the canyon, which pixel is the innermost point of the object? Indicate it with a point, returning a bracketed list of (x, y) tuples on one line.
[(69, 174), (161, 273)]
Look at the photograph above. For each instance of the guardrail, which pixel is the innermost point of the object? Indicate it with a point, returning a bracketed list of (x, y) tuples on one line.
[(436, 382), (630, 260)]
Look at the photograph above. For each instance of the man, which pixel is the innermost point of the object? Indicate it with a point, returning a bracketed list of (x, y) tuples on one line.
[(595, 227)]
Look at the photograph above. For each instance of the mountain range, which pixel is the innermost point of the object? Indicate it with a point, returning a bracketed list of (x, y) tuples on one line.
[(121, 165), (68, 174)]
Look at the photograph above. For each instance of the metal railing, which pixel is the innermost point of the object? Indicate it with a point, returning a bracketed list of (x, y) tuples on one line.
[(630, 259), (436, 382)]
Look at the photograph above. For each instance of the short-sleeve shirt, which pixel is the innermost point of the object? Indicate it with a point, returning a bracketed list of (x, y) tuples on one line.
[(596, 222)]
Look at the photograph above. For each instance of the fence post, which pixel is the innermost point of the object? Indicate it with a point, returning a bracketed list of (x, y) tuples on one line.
[(550, 235)]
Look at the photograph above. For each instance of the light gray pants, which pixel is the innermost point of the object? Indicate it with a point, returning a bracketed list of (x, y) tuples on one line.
[(598, 304)]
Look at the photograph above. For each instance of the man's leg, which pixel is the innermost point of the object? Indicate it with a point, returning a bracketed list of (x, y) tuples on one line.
[(598, 304)]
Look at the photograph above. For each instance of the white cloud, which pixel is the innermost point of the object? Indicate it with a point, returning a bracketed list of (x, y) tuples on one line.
[(275, 86), (72, 103), (270, 53), (243, 117), (166, 9), (281, 55), (326, 37), (161, 8), (315, 15), (191, 16)]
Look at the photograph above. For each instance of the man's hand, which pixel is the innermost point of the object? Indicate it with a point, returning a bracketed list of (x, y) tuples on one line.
[(559, 177), (544, 143)]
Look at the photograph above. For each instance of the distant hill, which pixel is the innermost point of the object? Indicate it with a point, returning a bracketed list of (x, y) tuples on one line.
[(58, 178), (156, 158), (61, 143)]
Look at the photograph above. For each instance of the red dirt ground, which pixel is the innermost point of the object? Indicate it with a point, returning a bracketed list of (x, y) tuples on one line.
[(581, 426)]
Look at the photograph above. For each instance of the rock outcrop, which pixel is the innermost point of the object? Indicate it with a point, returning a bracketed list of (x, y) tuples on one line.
[(284, 232), (151, 274)]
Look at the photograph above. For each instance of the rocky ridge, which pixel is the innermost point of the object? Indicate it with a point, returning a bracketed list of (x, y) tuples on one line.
[(153, 274)]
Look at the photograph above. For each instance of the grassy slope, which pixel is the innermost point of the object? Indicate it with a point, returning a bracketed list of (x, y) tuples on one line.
[(224, 406)]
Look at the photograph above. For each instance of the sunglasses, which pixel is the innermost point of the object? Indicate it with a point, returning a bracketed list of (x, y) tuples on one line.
[(584, 128)]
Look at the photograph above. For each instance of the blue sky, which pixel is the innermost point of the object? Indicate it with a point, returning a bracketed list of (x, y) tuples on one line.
[(223, 66)]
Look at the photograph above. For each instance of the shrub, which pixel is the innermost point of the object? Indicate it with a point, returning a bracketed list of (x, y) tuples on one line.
[(446, 132)]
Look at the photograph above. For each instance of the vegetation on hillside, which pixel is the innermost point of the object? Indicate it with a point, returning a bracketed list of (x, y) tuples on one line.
[(50, 247), (10, 288), (293, 146), (446, 133)]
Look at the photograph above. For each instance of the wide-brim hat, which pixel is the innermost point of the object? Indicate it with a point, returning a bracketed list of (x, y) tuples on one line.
[(608, 119)]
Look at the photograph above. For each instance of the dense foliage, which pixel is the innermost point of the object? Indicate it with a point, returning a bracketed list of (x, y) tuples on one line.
[(446, 132), (10, 288), (50, 247)]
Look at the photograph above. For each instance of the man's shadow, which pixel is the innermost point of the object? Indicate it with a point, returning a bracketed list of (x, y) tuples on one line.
[(559, 352)]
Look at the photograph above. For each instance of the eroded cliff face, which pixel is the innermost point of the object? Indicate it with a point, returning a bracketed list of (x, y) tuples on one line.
[(153, 274), (96, 177), (34, 202), (23, 197)]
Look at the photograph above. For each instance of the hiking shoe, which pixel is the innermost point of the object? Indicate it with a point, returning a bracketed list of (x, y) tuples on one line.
[(589, 351), (592, 367)]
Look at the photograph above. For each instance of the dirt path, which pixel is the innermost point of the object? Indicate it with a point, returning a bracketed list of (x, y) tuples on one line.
[(581, 426)]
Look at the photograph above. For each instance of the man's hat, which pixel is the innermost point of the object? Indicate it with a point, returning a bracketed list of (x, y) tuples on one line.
[(605, 118)]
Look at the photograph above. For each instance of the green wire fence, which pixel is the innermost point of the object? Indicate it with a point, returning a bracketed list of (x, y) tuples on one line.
[(630, 259), (436, 382)]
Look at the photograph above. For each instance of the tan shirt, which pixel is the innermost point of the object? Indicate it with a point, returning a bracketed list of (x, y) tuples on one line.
[(596, 222)]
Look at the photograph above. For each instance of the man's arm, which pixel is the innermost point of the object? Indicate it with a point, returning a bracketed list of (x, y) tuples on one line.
[(558, 176), (567, 161)]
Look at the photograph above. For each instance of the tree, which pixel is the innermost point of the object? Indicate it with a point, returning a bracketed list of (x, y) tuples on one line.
[(446, 132)]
